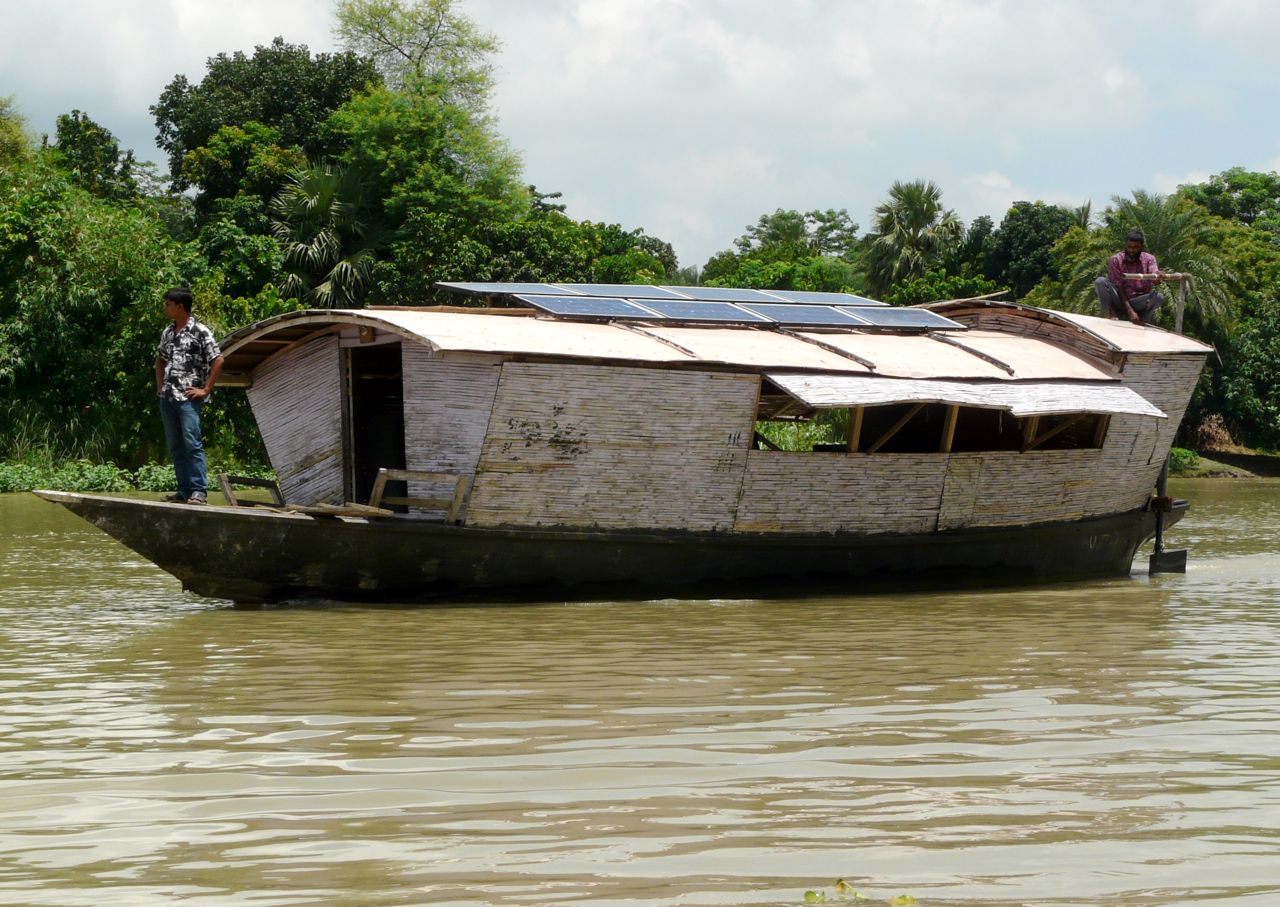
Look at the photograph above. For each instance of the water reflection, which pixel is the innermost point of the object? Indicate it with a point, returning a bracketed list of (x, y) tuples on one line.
[(1109, 742)]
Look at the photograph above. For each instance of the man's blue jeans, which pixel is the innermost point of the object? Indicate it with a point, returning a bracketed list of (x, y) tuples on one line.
[(186, 447)]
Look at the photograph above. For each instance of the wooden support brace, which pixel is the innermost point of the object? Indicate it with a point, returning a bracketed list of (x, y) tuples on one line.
[(1100, 435), (1053, 432), (895, 428), (855, 428), (765, 442), (225, 482), (1030, 426), (452, 505), (949, 428)]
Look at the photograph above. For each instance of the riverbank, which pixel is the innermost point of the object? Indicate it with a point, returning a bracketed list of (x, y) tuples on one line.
[(1232, 464)]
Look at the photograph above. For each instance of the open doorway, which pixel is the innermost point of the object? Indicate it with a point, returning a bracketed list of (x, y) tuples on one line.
[(376, 439)]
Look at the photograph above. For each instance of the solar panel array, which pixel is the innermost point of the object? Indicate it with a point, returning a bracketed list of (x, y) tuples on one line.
[(711, 305)]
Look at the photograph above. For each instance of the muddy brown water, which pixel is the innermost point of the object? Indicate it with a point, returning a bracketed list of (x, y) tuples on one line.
[(1101, 743)]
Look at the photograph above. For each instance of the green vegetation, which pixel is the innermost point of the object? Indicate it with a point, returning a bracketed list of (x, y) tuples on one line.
[(1183, 461), (365, 176), (844, 893)]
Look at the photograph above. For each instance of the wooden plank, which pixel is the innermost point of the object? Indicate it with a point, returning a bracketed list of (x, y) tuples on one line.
[(297, 401)]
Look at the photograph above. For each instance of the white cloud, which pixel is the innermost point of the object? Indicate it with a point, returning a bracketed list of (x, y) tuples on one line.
[(1165, 183)]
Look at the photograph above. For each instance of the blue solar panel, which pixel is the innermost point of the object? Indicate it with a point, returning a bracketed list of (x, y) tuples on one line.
[(630, 291), (586, 306), (502, 289), (919, 319), (702, 311), (806, 297), (784, 313), (725, 294)]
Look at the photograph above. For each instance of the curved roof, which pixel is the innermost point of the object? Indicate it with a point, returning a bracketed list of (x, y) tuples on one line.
[(984, 354), (1112, 334)]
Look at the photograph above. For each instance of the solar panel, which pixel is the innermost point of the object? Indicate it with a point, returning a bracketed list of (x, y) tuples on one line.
[(862, 300), (502, 289), (920, 319), (630, 291), (702, 311), (725, 294), (586, 306), (806, 297), (785, 313)]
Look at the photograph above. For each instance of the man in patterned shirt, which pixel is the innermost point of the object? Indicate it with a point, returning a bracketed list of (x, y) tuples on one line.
[(188, 363), (1131, 298)]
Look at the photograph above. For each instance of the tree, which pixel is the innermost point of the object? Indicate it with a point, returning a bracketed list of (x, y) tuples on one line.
[(913, 232), (436, 174), (789, 235), (328, 233), (281, 86), (245, 160), (421, 42), (1017, 254), (92, 155), (1240, 195), (15, 144), (939, 285)]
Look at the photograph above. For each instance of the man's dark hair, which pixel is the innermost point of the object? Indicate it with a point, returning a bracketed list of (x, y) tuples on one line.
[(1136, 235), (182, 296)]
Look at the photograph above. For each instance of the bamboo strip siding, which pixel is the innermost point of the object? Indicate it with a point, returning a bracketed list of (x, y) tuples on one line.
[(447, 406), (297, 401), (582, 446)]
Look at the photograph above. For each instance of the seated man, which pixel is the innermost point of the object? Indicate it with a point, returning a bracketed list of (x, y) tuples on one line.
[(1132, 298)]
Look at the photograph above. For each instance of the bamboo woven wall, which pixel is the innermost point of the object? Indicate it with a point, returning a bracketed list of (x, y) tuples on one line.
[(828, 492), (447, 406), (584, 445), (297, 401)]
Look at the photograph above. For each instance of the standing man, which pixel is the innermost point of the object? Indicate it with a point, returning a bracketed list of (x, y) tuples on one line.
[(188, 363), (1133, 298)]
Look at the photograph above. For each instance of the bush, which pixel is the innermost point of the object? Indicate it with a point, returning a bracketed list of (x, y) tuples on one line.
[(82, 475), (156, 477), (1182, 460)]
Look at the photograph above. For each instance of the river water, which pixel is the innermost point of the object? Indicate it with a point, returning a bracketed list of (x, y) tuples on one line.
[(1103, 743)]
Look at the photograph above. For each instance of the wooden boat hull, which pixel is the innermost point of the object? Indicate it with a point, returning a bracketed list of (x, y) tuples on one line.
[(252, 555)]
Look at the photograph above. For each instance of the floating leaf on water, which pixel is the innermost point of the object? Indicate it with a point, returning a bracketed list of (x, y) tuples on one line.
[(815, 897)]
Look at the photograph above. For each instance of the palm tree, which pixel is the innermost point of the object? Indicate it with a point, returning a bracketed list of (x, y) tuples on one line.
[(1183, 236), (327, 230), (912, 233)]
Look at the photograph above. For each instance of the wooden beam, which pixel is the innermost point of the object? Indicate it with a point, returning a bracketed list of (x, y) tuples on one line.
[(1030, 426), (855, 428), (1053, 432), (949, 427), (1100, 434), (895, 428)]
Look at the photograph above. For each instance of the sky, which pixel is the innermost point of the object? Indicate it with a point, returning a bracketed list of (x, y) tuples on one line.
[(692, 118)]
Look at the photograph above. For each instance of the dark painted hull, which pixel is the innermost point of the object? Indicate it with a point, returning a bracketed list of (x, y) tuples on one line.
[(250, 555)]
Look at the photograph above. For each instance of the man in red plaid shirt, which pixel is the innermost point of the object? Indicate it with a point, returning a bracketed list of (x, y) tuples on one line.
[(1132, 298)]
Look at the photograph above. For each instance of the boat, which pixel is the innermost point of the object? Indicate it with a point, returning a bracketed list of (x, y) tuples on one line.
[(583, 439)]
